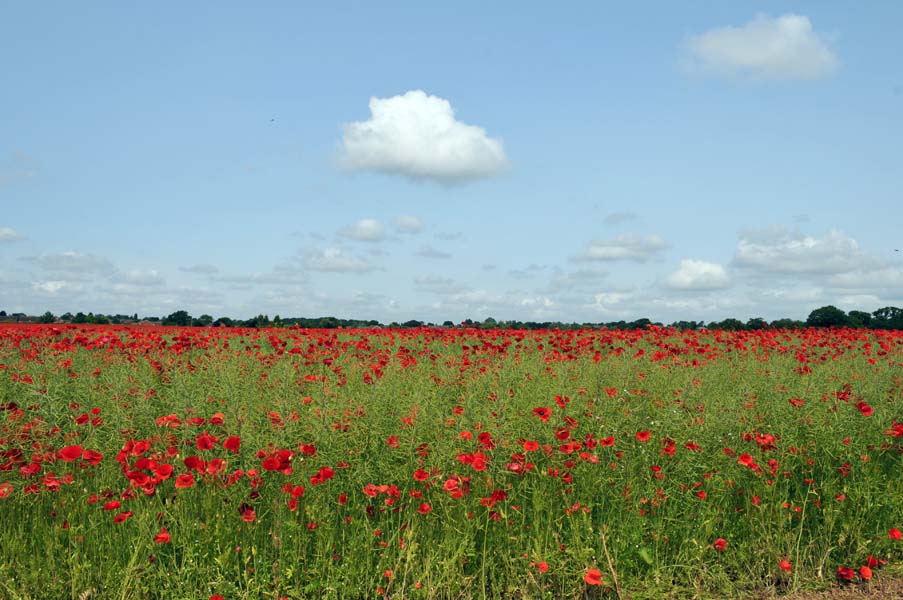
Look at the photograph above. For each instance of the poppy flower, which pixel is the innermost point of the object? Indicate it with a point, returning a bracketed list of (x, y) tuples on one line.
[(424, 508), (162, 537), (865, 572), (720, 544), (643, 436), (123, 516), (185, 480), (845, 573), (593, 577), (895, 534), (70, 453), (543, 567), (785, 565), (543, 413), (232, 443)]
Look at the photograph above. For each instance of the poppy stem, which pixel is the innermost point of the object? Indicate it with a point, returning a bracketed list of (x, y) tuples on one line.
[(611, 567)]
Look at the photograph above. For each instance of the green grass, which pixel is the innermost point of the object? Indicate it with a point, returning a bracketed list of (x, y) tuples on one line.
[(436, 398)]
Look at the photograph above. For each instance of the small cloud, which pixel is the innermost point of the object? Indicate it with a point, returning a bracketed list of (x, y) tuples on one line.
[(417, 136), (430, 252), (17, 167), (408, 224), (365, 230), (8, 234), (140, 278), (335, 260), (624, 247), (449, 236), (698, 275), (72, 262), (781, 48), (53, 288), (442, 286), (200, 269), (616, 218)]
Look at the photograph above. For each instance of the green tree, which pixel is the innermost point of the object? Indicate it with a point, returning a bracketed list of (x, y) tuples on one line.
[(179, 318), (859, 318), (47, 317), (889, 317), (827, 316), (202, 321)]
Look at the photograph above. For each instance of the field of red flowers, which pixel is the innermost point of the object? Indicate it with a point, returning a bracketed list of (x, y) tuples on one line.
[(446, 463)]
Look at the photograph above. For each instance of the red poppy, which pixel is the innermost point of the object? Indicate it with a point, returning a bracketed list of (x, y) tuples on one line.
[(123, 516), (720, 544), (845, 573), (543, 567), (895, 534), (543, 413), (593, 577), (185, 480), (70, 453), (424, 508), (162, 537), (785, 564), (643, 436), (865, 573), (232, 443)]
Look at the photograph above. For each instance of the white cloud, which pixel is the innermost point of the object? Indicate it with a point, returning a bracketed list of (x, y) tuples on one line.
[(52, 288), (698, 275), (8, 234), (72, 262), (624, 247), (430, 252), (140, 278), (442, 286), (335, 260), (778, 250), (365, 230), (408, 224), (785, 47), (417, 136)]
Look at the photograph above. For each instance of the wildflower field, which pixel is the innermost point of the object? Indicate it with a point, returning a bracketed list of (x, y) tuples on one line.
[(446, 463)]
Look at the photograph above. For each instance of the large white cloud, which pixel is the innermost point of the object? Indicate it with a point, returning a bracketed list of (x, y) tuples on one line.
[(778, 250), (417, 136), (365, 230), (698, 275), (624, 247), (785, 47)]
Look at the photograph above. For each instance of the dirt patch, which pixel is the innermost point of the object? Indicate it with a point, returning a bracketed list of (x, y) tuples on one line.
[(886, 588)]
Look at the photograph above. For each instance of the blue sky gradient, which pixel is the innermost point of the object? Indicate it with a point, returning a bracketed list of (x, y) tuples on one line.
[(165, 156)]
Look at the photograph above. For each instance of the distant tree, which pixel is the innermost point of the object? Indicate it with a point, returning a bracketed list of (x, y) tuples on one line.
[(100, 319), (448, 324), (489, 323), (787, 324), (277, 322), (223, 322), (756, 323), (728, 324), (889, 317), (179, 318), (66, 316), (2, 313), (827, 316), (859, 318), (80, 318), (202, 321), (412, 323), (47, 317)]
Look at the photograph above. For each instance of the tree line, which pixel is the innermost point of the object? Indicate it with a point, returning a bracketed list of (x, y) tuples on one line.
[(889, 317)]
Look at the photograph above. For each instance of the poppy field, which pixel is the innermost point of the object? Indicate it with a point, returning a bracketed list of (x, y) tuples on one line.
[(156, 462)]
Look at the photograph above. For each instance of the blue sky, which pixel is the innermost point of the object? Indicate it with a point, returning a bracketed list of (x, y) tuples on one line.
[(411, 160)]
